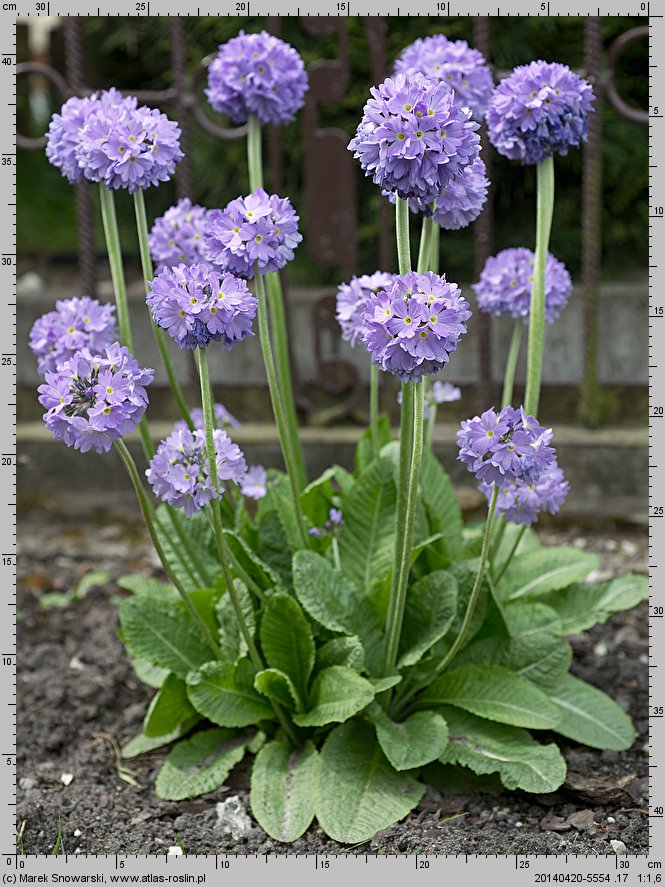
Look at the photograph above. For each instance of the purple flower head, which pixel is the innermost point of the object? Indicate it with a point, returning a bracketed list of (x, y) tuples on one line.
[(197, 304), (413, 138), (126, 146), (506, 446), (259, 229), (254, 484), (177, 236), (75, 324), (506, 282), (223, 419), (63, 134), (413, 326), (93, 399), (521, 502), (539, 110), (456, 64), (352, 299), (179, 472), (257, 74)]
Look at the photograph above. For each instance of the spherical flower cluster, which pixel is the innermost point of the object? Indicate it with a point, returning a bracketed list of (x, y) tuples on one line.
[(413, 326), (520, 502), (127, 146), (413, 138), (177, 236), (506, 283), (179, 472), (505, 446), (197, 304), (74, 324), (223, 419), (352, 299), (254, 485), (539, 110), (257, 230), (63, 134), (456, 64), (93, 399), (257, 74)]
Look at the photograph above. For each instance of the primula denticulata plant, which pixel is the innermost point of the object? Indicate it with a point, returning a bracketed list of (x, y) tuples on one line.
[(348, 633)]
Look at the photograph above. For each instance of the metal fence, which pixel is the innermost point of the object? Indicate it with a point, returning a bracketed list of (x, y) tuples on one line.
[(330, 175)]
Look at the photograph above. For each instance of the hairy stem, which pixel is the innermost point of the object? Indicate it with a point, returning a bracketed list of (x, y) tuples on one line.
[(374, 408), (402, 234), (511, 555), (511, 364)]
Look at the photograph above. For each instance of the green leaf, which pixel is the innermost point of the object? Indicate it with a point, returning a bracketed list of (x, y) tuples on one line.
[(528, 542), (431, 606), (138, 584), (162, 632), (232, 643), (286, 640), (282, 790), (316, 499), (492, 692), (543, 570), (357, 792), (381, 684), (520, 761), (364, 455), (279, 687), (443, 511), (525, 619), (337, 694), (581, 606), (541, 658), (413, 742), (465, 573), (149, 674), (274, 547), (142, 744), (200, 764), (280, 498), (201, 537), (346, 651), (589, 716), (169, 708), (366, 539), (224, 693), (262, 573)]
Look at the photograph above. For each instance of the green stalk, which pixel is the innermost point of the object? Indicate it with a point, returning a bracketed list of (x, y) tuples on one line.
[(189, 549), (516, 545), (160, 338), (402, 234), (222, 551), (544, 212), (425, 249), (277, 403), (146, 510), (404, 541), (112, 237), (435, 250), (511, 364), (254, 159), (374, 408)]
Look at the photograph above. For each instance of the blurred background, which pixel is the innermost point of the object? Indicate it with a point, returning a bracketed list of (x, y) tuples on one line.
[(596, 371)]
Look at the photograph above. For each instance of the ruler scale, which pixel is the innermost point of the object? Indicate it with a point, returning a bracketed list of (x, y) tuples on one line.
[(354, 869)]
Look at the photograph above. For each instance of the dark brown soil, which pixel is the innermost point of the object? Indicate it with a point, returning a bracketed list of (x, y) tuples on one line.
[(78, 699)]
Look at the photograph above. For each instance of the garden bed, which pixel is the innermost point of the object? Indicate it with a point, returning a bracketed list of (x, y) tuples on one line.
[(79, 700)]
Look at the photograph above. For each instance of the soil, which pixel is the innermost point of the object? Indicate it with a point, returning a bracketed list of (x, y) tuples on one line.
[(79, 701)]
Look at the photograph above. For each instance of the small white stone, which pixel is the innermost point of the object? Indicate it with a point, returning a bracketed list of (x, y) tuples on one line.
[(619, 847), (628, 548), (67, 778), (519, 824), (600, 650), (174, 851), (78, 850), (26, 783), (580, 542), (232, 818), (75, 664), (77, 832), (611, 545), (610, 819)]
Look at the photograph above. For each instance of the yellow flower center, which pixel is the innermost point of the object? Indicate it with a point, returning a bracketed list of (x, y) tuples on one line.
[(407, 107), (400, 136), (109, 390)]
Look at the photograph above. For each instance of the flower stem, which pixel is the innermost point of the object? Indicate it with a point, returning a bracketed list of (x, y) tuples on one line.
[(408, 489), (435, 249), (544, 211), (425, 249), (473, 600), (160, 338), (254, 159), (146, 510), (374, 408), (189, 549), (511, 364), (112, 237), (506, 564), (402, 234), (277, 403)]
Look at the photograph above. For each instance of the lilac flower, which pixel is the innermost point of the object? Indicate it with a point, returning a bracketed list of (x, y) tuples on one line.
[(506, 283), (254, 484), (126, 146), (177, 236), (444, 392), (413, 326), (93, 399), (413, 139), (456, 64), (259, 229), (257, 74), (332, 526), (63, 134), (75, 324), (539, 110), (520, 502), (197, 304), (506, 446), (352, 299), (179, 472), (223, 418)]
